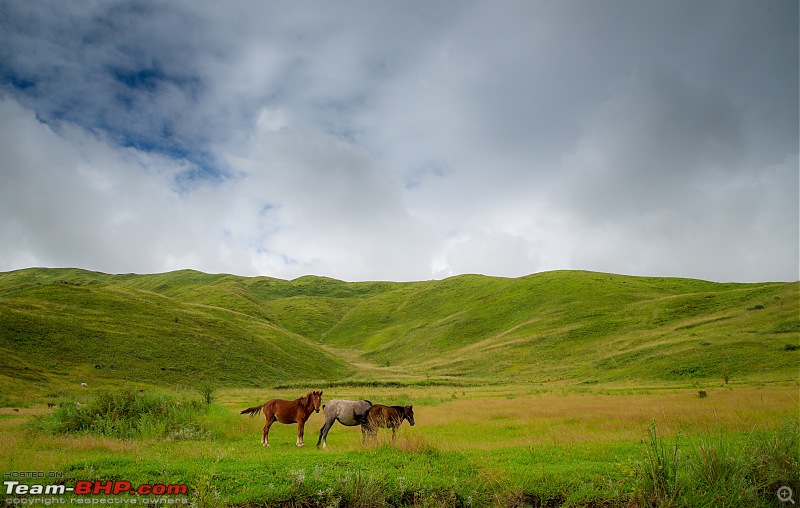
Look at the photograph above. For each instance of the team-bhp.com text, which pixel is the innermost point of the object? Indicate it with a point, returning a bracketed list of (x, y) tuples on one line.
[(93, 488)]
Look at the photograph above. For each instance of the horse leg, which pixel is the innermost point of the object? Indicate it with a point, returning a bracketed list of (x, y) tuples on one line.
[(394, 434), (323, 433), (371, 431), (300, 428), (265, 435)]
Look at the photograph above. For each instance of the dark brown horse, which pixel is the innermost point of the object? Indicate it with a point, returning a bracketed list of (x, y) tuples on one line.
[(287, 411), (388, 417)]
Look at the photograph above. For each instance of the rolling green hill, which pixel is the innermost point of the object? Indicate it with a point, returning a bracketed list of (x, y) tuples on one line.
[(59, 327), (580, 326), (183, 328)]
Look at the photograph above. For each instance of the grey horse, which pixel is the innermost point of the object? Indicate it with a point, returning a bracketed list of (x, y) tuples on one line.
[(348, 412)]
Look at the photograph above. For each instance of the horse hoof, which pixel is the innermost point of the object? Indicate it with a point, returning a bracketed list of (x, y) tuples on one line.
[(300, 445)]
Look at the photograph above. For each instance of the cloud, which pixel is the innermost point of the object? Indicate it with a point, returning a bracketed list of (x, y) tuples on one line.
[(113, 207), (378, 141), (664, 173), (331, 207), (653, 145), (72, 198)]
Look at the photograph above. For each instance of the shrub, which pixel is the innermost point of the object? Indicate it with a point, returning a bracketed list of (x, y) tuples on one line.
[(127, 414), (208, 391)]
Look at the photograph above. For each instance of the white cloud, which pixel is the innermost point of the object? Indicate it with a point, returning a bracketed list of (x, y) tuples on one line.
[(328, 205), (71, 199)]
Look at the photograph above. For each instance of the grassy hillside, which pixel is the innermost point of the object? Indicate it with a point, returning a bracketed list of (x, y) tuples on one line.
[(59, 327), (64, 327), (580, 326)]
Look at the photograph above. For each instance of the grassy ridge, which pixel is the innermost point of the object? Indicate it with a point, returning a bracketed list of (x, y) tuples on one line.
[(579, 326), (65, 327), (60, 326)]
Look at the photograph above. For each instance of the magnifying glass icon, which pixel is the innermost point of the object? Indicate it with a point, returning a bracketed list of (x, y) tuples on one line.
[(785, 494)]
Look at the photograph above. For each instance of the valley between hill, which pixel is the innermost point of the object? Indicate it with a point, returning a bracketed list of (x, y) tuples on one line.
[(61, 327)]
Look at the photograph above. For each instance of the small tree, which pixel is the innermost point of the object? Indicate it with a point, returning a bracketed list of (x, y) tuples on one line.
[(208, 391)]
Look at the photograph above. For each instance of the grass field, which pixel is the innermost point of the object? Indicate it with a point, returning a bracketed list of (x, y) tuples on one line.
[(473, 446), (557, 389)]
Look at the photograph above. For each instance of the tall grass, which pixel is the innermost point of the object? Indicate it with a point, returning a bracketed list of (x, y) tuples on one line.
[(129, 414), (719, 470), (660, 475)]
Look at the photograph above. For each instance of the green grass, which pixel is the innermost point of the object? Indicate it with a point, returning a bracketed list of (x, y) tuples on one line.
[(719, 470), (594, 325), (476, 446), (556, 389), (61, 327), (127, 414)]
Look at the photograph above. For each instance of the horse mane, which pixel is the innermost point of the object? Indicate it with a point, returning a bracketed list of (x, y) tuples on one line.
[(306, 401)]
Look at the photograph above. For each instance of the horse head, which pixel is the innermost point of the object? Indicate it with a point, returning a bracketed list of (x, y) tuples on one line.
[(408, 414), (315, 400)]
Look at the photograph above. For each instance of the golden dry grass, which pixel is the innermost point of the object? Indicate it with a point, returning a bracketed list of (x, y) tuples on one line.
[(468, 418), (554, 418), (493, 417), (23, 449), (493, 435)]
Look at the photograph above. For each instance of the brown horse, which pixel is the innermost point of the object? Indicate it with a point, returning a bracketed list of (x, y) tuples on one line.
[(287, 411), (388, 417)]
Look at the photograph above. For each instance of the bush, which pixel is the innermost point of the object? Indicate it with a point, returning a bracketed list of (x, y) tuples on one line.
[(127, 414), (208, 391)]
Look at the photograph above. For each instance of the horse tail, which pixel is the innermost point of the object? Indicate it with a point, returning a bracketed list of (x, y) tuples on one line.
[(252, 411)]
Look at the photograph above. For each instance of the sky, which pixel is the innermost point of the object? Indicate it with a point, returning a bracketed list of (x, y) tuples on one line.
[(415, 140)]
